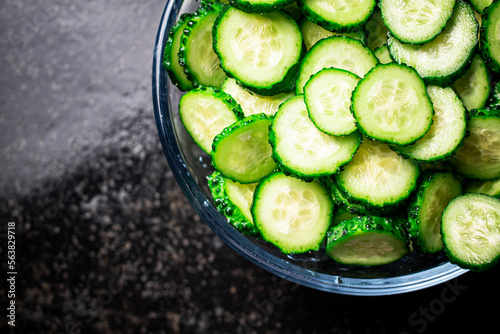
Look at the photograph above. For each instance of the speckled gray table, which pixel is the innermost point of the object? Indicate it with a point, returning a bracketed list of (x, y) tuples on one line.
[(105, 240)]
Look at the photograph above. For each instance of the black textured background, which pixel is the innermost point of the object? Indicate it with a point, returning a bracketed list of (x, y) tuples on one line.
[(105, 240)]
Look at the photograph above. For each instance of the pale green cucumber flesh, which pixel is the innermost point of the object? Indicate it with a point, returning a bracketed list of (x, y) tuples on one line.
[(301, 148), (258, 50), (471, 231), (242, 152), (416, 22), (435, 191), (390, 104), (341, 15), (328, 99), (339, 52), (367, 241), (292, 214), (205, 114), (444, 59), (479, 156), (474, 87), (377, 176), (447, 132)]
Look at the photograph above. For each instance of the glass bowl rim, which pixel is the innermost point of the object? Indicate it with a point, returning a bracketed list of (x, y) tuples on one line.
[(250, 251)]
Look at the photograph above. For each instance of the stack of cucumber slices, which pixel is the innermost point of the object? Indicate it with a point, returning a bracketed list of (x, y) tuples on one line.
[(362, 129)]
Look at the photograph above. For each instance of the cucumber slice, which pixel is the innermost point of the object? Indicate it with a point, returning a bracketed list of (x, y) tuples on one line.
[(479, 19), (171, 54), (233, 200), (376, 30), (339, 52), (479, 157), (441, 61), (252, 103), (447, 132), (366, 241), (390, 104), (292, 214), (260, 6), (436, 189), (242, 153), (241, 195), (294, 11), (340, 214), (196, 54), (481, 5), (377, 176), (416, 22), (261, 51), (302, 149), (471, 231), (383, 55), (205, 112), (491, 188), (340, 199), (493, 103), (312, 33), (490, 32), (327, 95), (474, 87), (354, 207), (338, 16)]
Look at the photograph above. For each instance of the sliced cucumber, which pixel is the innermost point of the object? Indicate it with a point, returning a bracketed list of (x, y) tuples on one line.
[(260, 6), (441, 61), (490, 32), (366, 241), (436, 189), (355, 207), (241, 195), (339, 52), (242, 153), (261, 51), (479, 19), (474, 87), (294, 11), (301, 148), (390, 104), (481, 5), (196, 54), (376, 30), (252, 103), (479, 157), (493, 103), (340, 214), (377, 176), (340, 199), (327, 95), (312, 33), (471, 231), (292, 214), (338, 16), (383, 55), (448, 129), (171, 54), (416, 22), (233, 200), (491, 188), (205, 112), (299, 132)]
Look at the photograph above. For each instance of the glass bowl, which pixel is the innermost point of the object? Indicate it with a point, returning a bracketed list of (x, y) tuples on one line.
[(190, 166)]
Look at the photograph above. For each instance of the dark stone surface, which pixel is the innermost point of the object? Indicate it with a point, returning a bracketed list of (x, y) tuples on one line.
[(105, 240)]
